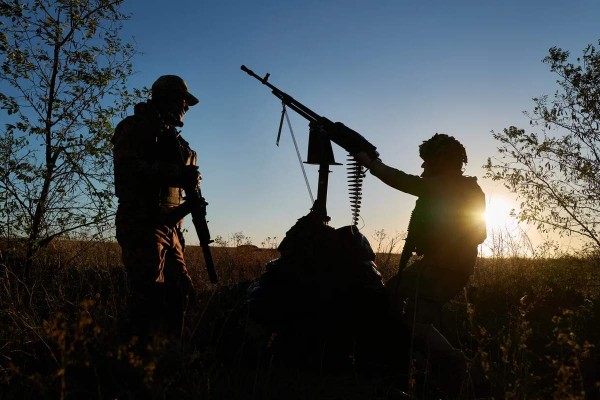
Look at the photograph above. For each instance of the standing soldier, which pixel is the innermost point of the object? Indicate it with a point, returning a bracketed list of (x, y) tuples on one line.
[(152, 165), (445, 229)]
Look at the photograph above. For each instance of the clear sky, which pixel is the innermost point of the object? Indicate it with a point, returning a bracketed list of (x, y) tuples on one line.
[(395, 71)]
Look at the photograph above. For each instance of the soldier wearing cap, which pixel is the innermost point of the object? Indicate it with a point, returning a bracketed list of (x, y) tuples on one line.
[(445, 229), (152, 165)]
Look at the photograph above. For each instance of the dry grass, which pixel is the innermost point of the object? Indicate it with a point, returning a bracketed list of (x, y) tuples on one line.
[(529, 326)]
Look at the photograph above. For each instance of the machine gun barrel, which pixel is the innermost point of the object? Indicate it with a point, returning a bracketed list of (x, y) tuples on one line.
[(338, 133), (288, 100)]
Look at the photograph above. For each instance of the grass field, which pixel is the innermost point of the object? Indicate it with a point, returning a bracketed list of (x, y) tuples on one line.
[(528, 326)]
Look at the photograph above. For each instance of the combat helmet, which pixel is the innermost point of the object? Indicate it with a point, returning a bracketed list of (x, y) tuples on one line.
[(442, 145), (167, 85)]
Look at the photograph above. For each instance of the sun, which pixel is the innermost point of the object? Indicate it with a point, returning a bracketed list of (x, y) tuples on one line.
[(497, 214)]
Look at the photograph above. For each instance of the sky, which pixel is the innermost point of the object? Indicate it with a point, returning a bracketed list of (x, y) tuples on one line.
[(395, 71)]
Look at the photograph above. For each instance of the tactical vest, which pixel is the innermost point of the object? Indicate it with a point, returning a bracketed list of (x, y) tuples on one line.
[(149, 157), (447, 222), (173, 149)]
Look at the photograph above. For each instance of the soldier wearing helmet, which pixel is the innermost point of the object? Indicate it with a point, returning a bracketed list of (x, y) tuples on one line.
[(445, 228), (152, 165)]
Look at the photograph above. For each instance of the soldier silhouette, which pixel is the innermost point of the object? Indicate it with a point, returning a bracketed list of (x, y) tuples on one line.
[(445, 229), (152, 165)]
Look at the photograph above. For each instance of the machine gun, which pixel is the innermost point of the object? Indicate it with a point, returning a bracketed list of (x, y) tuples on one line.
[(320, 152)]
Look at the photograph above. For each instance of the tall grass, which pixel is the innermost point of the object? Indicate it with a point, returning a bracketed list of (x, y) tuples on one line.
[(528, 324)]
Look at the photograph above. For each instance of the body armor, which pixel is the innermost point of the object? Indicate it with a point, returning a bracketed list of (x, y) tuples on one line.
[(447, 222), (149, 157)]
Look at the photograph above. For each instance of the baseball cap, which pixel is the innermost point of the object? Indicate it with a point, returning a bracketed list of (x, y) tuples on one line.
[(173, 84)]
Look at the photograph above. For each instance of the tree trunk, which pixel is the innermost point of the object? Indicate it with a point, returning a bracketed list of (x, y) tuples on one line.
[(33, 242)]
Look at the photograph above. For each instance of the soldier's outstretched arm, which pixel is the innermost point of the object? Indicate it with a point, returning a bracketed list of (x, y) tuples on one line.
[(395, 178)]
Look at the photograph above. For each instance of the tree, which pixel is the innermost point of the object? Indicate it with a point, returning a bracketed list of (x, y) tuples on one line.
[(555, 169), (64, 69)]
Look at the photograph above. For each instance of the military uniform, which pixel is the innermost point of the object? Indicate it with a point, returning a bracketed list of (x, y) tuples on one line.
[(445, 229), (149, 156)]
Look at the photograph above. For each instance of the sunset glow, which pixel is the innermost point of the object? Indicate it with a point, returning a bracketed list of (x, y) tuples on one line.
[(497, 214)]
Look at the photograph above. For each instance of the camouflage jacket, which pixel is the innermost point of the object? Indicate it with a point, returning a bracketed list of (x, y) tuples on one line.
[(447, 221), (149, 157)]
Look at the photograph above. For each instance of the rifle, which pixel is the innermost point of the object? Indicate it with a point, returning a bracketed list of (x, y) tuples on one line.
[(321, 152), (198, 210), (196, 205)]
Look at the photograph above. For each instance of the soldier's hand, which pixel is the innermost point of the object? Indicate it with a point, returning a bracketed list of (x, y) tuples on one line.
[(190, 176), (364, 159)]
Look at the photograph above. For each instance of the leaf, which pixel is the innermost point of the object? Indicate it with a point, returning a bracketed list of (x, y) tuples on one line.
[(555, 166), (59, 194)]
